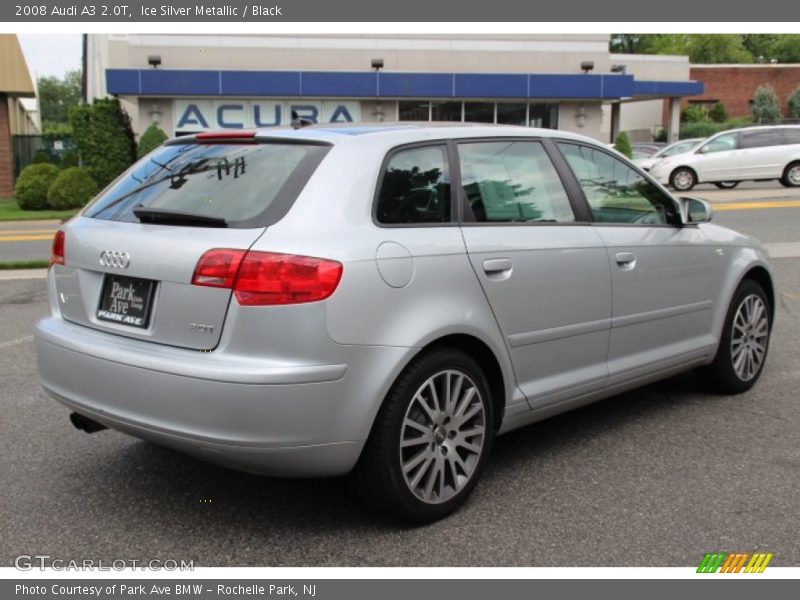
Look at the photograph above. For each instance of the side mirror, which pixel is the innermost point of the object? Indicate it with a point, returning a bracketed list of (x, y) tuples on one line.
[(695, 210)]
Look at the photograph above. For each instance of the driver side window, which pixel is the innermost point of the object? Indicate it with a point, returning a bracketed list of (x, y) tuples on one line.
[(415, 187), (617, 193)]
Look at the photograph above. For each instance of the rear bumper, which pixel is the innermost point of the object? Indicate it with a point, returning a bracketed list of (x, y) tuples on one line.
[(262, 416)]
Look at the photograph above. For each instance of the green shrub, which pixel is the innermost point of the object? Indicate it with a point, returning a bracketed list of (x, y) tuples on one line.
[(718, 114), (73, 188), (794, 103), (32, 185), (694, 113), (660, 135), (623, 145), (700, 130), (151, 139), (105, 142), (766, 108)]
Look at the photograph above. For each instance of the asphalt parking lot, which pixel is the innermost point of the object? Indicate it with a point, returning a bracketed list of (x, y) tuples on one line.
[(654, 477)]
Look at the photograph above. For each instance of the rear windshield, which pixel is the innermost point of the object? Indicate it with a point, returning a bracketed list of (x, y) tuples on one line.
[(247, 185)]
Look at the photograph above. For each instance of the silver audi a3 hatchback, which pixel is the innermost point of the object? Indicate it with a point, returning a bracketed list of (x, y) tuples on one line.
[(387, 299)]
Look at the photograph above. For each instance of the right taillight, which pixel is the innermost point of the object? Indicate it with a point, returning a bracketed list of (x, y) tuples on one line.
[(57, 251), (268, 278)]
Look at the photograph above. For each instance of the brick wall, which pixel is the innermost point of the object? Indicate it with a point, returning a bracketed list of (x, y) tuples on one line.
[(734, 86), (6, 158)]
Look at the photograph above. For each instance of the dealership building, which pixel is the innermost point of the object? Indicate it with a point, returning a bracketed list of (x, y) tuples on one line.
[(190, 83)]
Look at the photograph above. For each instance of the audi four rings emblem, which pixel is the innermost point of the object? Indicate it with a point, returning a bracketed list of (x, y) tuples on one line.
[(114, 259)]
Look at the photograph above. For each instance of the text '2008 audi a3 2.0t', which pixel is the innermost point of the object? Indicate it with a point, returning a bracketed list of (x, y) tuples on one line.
[(386, 299)]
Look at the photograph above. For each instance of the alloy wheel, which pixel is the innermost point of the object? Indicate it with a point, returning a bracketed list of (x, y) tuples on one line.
[(749, 337), (442, 436)]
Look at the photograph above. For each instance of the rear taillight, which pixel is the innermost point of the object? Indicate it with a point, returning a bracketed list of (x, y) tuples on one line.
[(218, 268), (268, 278), (57, 252)]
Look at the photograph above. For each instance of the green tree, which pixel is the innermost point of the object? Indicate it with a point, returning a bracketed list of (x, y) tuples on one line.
[(104, 137), (704, 48), (766, 108), (151, 139), (57, 96), (794, 103), (623, 145)]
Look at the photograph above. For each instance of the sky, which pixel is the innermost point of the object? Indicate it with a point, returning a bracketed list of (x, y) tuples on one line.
[(51, 54)]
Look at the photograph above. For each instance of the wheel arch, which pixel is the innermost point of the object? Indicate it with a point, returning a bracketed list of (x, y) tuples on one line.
[(763, 278)]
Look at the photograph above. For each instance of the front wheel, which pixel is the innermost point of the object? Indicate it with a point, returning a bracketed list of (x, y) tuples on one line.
[(744, 344), (682, 179), (726, 185), (430, 439)]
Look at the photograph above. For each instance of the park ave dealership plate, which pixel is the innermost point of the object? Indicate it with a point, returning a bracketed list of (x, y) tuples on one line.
[(126, 300)]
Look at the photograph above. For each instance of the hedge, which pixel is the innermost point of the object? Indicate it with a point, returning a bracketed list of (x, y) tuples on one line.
[(73, 188), (32, 185)]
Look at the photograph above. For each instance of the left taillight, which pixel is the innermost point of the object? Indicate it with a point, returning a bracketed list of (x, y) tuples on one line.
[(57, 252), (268, 278)]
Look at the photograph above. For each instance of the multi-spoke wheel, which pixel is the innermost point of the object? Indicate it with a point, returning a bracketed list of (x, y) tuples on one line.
[(442, 436), (745, 341), (430, 438), (749, 337)]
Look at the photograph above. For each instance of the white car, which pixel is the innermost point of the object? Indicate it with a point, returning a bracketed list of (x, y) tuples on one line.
[(752, 153), (646, 162)]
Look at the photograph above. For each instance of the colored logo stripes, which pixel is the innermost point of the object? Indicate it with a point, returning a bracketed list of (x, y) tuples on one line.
[(734, 562)]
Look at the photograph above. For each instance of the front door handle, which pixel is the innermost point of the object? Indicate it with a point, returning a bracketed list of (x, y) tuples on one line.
[(625, 260)]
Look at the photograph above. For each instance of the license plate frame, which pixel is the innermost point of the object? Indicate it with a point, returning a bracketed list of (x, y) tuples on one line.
[(126, 301)]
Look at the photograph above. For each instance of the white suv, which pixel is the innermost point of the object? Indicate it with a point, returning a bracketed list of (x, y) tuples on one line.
[(753, 153)]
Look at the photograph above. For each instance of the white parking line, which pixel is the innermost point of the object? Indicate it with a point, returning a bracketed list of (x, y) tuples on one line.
[(783, 249), (27, 338), (11, 274)]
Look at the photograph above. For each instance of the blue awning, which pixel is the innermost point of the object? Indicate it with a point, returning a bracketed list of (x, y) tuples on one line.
[(386, 84)]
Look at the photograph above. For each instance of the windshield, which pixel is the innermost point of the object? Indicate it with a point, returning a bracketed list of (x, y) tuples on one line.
[(679, 148), (246, 185)]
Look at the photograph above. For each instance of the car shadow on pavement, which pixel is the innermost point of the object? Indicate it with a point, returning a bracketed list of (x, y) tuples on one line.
[(187, 488)]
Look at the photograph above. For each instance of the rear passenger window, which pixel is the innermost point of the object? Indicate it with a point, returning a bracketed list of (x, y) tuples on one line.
[(512, 181), (415, 187), (760, 138)]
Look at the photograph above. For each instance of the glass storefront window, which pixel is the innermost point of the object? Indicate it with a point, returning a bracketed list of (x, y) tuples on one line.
[(479, 112), (413, 110), (446, 111), (543, 115), (511, 113)]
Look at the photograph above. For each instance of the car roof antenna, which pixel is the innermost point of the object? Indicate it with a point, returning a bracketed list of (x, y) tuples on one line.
[(298, 122)]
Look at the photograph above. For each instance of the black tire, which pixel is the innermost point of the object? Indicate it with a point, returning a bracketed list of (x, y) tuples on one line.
[(379, 475), (791, 175), (721, 375), (683, 179), (726, 185)]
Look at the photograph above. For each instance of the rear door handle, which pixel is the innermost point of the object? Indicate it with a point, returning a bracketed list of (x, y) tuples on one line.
[(626, 260), (497, 267)]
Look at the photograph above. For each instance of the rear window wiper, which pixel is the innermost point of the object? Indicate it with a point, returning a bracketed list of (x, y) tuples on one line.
[(176, 217)]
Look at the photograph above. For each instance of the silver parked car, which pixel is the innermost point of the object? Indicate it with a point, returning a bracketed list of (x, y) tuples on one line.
[(386, 299)]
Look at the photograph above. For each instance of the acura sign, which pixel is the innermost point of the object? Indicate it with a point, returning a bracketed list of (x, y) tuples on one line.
[(200, 115)]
